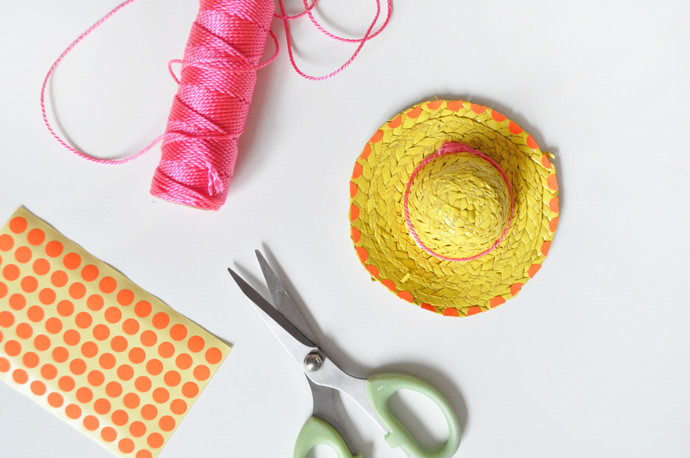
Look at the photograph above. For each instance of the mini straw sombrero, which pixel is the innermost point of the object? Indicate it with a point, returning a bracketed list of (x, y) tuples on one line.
[(453, 206)]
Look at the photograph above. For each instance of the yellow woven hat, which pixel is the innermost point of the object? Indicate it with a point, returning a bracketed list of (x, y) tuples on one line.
[(453, 206)]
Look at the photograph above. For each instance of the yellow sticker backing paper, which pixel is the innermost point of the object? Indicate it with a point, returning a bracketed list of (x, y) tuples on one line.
[(91, 347)]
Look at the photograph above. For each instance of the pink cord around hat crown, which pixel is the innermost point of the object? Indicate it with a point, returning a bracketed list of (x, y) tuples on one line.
[(454, 148)]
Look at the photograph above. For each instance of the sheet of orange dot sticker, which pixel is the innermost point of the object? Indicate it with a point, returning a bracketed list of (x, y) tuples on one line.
[(91, 347)]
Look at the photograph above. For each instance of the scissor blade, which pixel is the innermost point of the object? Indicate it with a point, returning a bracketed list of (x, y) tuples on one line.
[(282, 299), (272, 313), (324, 398)]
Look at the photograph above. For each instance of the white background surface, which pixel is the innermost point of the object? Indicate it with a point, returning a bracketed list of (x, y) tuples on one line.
[(591, 359)]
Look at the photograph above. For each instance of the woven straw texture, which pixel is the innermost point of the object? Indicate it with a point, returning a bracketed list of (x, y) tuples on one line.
[(379, 231)]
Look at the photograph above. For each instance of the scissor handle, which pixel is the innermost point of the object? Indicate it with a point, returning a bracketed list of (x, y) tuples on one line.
[(381, 387), (318, 432)]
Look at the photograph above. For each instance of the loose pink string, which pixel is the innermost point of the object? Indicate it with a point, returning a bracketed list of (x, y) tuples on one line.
[(353, 40), (308, 10), (45, 85), (454, 148), (217, 78)]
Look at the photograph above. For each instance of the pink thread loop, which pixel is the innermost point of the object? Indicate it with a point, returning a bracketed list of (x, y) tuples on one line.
[(454, 148), (308, 10), (352, 40), (47, 79)]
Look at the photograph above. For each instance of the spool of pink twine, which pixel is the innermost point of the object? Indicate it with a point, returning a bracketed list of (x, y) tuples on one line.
[(210, 109), (215, 90)]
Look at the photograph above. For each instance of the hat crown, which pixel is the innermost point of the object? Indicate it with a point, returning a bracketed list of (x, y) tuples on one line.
[(459, 205)]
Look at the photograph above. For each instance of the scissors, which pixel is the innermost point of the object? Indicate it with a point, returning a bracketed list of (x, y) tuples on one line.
[(289, 326)]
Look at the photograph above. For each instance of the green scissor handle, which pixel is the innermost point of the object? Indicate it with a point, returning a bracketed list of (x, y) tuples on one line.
[(381, 387), (317, 432)]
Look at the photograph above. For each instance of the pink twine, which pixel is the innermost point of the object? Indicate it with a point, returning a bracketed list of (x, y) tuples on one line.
[(368, 35), (211, 106), (454, 148), (71, 148), (216, 83)]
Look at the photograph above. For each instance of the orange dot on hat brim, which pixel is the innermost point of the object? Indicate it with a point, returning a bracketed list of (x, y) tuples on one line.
[(435, 105)]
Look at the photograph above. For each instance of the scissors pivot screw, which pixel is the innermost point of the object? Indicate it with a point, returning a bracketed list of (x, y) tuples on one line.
[(313, 361)]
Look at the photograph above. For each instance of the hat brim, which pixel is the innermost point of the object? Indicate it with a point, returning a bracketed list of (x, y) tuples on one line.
[(379, 231)]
